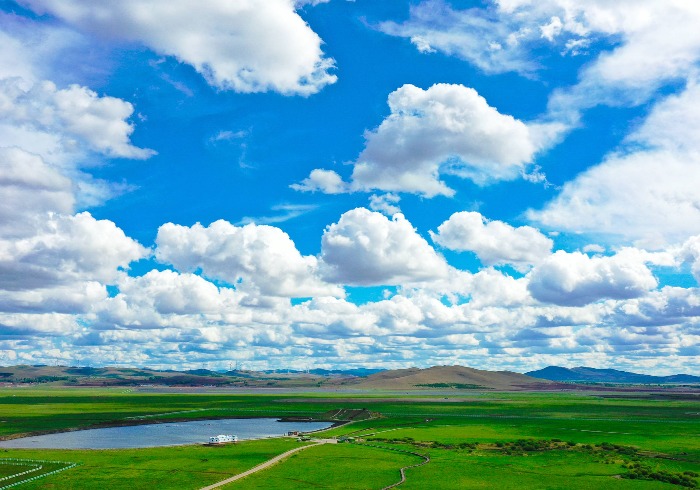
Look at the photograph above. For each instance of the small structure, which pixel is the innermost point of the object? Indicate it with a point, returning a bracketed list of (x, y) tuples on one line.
[(223, 439), (293, 433)]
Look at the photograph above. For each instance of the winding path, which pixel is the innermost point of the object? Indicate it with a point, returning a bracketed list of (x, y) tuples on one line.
[(426, 460), (262, 466)]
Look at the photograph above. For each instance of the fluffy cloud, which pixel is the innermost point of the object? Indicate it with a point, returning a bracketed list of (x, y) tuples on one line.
[(67, 260), (446, 129), (263, 257), (63, 128), (161, 299), (690, 252), (385, 203), (326, 181), (246, 46), (490, 287), (26, 178), (171, 293), (643, 56), (575, 279), (636, 55), (494, 242), (668, 306), (45, 325), (646, 191), (66, 248), (367, 248), (72, 113)]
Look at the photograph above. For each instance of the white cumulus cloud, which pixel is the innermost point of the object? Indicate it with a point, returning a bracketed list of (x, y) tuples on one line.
[(367, 248), (647, 191), (77, 115), (25, 178), (67, 257), (326, 181), (263, 257), (575, 279), (494, 242), (246, 45), (444, 129)]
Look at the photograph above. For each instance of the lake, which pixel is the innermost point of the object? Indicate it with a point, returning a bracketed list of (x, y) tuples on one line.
[(168, 434)]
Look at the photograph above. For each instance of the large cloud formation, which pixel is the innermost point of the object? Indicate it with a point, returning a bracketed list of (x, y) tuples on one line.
[(246, 293), (246, 45), (500, 37), (446, 129), (645, 192)]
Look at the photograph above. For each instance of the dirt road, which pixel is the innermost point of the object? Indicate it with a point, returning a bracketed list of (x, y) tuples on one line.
[(266, 464)]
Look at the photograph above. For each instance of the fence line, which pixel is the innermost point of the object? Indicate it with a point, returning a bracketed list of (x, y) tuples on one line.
[(18, 461)]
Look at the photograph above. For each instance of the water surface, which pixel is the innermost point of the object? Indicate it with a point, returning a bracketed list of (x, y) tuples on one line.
[(155, 435)]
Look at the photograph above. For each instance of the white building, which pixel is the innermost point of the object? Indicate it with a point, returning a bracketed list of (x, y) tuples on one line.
[(222, 438)]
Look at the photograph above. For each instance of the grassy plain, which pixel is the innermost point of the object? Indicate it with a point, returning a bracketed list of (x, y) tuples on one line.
[(460, 431), (178, 467), (343, 466)]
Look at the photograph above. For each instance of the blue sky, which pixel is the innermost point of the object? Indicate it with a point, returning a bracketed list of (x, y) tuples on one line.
[(502, 184)]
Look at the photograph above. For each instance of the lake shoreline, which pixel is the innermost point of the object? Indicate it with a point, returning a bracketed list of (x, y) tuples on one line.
[(136, 422), (153, 422)]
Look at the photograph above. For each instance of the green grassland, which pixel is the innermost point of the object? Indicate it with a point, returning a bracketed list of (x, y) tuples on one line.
[(343, 466), (471, 438), (14, 471), (155, 468)]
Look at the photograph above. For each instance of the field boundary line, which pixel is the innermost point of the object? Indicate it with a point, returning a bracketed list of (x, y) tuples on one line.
[(261, 466)]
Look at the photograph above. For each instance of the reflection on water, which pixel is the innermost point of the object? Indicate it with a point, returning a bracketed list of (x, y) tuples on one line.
[(154, 435)]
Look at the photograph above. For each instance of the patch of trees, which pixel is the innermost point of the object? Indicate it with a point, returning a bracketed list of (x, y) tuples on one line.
[(42, 379), (454, 386), (532, 445), (639, 471), (469, 446)]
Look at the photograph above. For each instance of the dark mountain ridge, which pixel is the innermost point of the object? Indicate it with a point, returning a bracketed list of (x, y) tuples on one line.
[(583, 374)]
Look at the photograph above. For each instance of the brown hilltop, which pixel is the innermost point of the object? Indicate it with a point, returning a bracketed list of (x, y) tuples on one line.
[(448, 377)]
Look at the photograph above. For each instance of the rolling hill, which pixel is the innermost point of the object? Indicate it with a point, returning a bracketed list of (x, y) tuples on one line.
[(458, 377)]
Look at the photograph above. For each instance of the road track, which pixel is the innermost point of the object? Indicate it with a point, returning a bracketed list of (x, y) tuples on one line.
[(261, 466)]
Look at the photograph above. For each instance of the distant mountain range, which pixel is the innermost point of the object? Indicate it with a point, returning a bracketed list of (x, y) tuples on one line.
[(437, 377), (584, 374), (120, 376)]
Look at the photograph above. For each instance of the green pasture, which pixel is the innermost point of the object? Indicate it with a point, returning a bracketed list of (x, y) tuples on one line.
[(343, 466), (559, 470), (16, 471), (461, 431), (178, 467)]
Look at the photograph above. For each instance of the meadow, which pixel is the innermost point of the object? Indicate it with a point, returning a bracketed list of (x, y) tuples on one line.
[(474, 440)]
